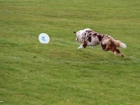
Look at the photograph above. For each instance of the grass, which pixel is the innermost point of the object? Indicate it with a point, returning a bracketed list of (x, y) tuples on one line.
[(57, 73)]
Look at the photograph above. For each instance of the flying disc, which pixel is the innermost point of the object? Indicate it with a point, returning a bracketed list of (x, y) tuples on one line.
[(44, 38)]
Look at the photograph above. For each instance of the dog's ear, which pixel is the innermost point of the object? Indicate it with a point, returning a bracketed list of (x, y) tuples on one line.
[(88, 31), (99, 37), (95, 33)]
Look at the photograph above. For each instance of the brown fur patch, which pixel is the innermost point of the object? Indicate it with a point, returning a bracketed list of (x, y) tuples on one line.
[(103, 46), (84, 44), (89, 31), (100, 37), (89, 38), (95, 33)]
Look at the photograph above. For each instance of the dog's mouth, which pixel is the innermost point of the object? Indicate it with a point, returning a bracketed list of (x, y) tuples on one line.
[(76, 37), (77, 40)]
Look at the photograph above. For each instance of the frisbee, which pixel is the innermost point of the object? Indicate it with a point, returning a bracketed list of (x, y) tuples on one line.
[(44, 38)]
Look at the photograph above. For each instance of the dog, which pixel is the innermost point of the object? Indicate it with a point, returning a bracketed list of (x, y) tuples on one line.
[(88, 37)]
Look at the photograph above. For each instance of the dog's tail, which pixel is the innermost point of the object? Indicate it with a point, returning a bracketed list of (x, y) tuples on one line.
[(118, 43), (122, 45)]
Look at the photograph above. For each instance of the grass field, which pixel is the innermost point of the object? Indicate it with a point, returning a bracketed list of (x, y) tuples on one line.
[(57, 73)]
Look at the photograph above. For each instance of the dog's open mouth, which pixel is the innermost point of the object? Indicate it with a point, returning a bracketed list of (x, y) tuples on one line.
[(77, 39)]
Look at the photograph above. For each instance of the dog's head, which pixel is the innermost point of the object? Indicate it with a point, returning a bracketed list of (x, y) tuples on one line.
[(79, 36), (82, 34)]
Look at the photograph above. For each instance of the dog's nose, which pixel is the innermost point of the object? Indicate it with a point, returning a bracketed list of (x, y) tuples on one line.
[(74, 32)]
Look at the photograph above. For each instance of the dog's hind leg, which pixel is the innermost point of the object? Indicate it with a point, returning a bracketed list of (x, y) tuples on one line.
[(121, 54), (118, 52), (115, 53), (111, 46)]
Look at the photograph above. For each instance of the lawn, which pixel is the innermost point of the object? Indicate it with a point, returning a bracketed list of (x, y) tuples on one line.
[(58, 73)]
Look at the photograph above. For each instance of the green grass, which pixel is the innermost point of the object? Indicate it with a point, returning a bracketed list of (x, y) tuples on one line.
[(57, 73)]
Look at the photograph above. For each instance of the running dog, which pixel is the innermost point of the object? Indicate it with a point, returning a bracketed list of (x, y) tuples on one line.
[(88, 37)]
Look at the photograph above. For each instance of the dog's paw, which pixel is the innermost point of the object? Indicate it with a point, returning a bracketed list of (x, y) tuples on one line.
[(80, 47), (122, 55)]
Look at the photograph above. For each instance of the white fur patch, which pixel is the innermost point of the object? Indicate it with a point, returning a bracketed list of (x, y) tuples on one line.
[(123, 45), (105, 41), (80, 47)]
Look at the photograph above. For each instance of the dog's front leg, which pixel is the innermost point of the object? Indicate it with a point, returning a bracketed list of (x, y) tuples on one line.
[(80, 47), (83, 45)]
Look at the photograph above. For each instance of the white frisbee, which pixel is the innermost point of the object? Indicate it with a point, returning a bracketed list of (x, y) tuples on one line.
[(44, 38)]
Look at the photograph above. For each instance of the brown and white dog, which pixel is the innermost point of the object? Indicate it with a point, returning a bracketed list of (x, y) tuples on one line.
[(87, 37)]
